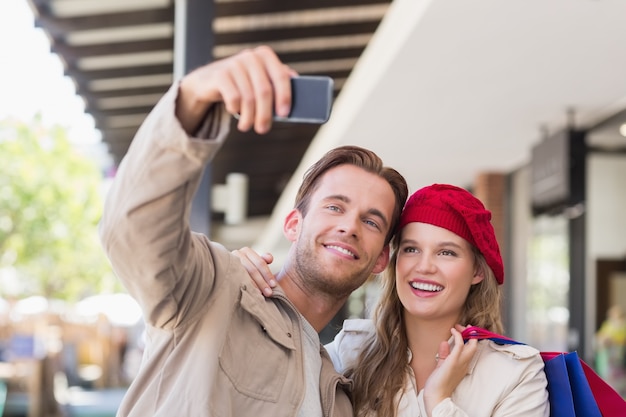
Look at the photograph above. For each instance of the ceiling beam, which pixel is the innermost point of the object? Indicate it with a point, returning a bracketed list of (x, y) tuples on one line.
[(59, 27), (85, 76), (280, 34), (320, 55), (74, 53), (106, 113), (95, 95), (252, 7)]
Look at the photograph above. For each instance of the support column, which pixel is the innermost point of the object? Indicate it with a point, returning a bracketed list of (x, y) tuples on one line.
[(491, 188), (577, 241), (193, 47)]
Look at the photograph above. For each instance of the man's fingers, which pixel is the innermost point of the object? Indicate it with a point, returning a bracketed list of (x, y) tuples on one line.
[(280, 78), (263, 85), (268, 258), (242, 70), (256, 276), (263, 93), (258, 268)]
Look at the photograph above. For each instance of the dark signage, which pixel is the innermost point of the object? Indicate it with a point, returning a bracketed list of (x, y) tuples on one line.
[(557, 167)]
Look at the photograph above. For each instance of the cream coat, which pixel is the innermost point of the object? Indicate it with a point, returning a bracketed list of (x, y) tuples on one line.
[(502, 381), (215, 346)]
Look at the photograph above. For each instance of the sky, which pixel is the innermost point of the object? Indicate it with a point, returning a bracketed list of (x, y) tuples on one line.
[(32, 80)]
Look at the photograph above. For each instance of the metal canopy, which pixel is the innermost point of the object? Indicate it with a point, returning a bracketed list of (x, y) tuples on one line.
[(120, 53)]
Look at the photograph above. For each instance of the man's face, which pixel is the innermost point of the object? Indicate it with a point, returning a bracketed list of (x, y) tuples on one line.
[(341, 240)]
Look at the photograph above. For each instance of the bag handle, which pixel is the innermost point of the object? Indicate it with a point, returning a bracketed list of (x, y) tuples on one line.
[(474, 332)]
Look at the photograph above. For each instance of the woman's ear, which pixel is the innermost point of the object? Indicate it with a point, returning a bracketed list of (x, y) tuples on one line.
[(479, 275), (291, 225)]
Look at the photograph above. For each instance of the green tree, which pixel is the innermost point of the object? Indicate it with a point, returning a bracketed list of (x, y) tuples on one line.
[(50, 205)]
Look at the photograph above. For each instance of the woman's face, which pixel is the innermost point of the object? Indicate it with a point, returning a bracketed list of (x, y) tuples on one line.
[(434, 272)]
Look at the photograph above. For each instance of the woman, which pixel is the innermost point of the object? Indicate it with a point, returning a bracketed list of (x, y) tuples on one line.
[(445, 270), (611, 349)]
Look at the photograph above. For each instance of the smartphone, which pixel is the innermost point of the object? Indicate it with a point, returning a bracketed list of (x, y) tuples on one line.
[(311, 99)]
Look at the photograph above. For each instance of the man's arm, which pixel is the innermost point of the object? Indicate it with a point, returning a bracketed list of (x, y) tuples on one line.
[(145, 227)]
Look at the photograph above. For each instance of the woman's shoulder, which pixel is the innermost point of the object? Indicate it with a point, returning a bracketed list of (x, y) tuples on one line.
[(507, 377), (516, 351), (510, 359), (354, 332), (358, 326), (344, 350)]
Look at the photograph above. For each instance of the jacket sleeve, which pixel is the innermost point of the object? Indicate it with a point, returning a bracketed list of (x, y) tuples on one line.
[(145, 228)]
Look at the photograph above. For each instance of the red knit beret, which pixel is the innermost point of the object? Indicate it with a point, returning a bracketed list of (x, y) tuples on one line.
[(458, 211)]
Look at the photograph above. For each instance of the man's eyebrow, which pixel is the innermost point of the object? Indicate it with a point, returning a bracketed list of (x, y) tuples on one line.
[(378, 213), (372, 211), (339, 197)]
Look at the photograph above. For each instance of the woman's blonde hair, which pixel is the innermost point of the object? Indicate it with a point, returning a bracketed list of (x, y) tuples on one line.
[(383, 366)]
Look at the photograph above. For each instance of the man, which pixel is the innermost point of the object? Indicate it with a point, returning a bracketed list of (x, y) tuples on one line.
[(215, 346)]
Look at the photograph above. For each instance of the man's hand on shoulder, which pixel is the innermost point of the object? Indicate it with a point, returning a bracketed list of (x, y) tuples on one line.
[(258, 268)]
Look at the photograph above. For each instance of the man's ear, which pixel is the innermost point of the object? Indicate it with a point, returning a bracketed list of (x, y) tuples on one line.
[(291, 225), (382, 261)]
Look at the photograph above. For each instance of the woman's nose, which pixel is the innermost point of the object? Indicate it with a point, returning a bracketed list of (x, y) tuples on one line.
[(425, 264)]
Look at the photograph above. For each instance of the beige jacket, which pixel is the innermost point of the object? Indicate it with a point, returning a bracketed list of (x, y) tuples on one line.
[(503, 380), (215, 346)]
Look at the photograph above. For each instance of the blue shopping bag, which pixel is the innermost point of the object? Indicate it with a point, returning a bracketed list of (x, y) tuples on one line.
[(574, 389), (559, 390), (568, 388)]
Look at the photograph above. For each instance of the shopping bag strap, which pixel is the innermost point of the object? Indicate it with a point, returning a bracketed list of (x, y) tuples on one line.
[(474, 332)]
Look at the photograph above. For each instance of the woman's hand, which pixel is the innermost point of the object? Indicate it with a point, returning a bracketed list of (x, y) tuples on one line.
[(452, 366), (258, 268)]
